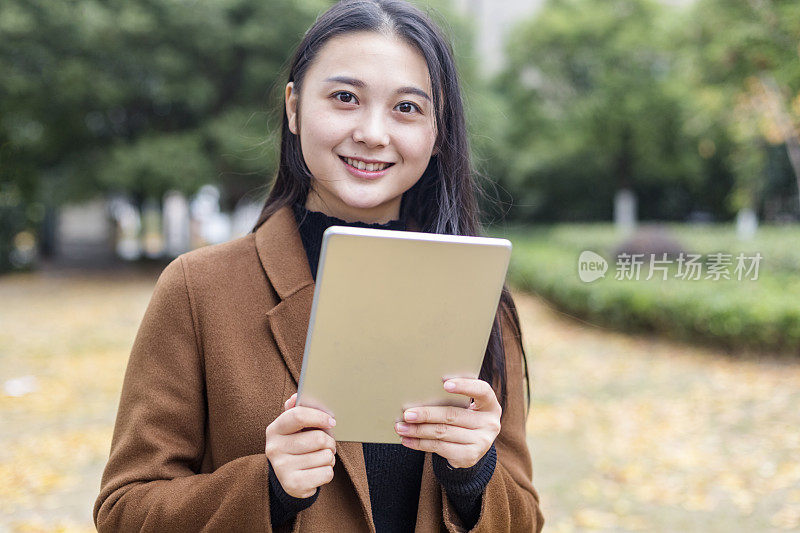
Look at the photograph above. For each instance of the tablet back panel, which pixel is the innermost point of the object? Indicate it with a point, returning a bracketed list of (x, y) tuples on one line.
[(394, 312)]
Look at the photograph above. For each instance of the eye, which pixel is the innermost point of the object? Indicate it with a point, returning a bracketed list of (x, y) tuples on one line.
[(406, 104), (349, 97)]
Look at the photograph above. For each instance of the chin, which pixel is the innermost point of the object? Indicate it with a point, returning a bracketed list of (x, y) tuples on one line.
[(362, 206), (363, 201), (365, 205)]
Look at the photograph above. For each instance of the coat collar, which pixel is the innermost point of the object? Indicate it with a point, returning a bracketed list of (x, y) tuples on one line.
[(280, 250)]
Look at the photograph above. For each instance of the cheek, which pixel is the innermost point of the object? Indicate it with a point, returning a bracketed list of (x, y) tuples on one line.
[(321, 129), (417, 145)]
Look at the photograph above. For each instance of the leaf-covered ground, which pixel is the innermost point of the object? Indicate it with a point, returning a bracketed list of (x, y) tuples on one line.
[(72, 335), (627, 433), (638, 434)]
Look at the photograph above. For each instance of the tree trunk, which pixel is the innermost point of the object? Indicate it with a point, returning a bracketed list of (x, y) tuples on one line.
[(784, 120)]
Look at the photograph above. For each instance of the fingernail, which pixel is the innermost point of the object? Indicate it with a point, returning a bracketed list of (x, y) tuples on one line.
[(402, 428), (332, 422), (411, 415), (449, 385)]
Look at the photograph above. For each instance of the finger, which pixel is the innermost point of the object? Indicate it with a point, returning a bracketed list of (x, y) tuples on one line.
[(291, 402), (444, 414), (324, 457), (303, 483), (297, 418), (315, 477), (480, 391), (436, 431), (304, 442)]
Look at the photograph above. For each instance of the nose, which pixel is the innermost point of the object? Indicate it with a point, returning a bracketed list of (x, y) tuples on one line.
[(372, 131)]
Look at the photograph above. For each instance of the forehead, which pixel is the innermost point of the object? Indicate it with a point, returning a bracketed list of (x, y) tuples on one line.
[(379, 60)]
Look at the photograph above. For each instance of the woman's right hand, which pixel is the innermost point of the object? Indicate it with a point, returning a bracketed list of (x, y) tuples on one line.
[(300, 448)]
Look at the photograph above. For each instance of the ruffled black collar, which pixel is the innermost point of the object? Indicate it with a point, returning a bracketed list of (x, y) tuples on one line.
[(312, 224)]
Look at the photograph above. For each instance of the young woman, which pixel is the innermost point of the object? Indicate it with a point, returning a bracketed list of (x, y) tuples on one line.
[(208, 436)]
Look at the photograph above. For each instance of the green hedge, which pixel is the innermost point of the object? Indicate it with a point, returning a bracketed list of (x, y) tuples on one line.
[(762, 314)]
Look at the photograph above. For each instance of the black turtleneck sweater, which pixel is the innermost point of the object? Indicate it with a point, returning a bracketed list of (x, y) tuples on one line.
[(394, 472)]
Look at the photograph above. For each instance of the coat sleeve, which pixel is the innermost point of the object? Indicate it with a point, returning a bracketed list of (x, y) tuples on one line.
[(510, 502), (151, 481)]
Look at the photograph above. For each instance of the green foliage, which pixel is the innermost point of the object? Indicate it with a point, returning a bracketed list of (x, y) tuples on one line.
[(95, 94), (761, 314), (137, 97), (683, 104), (758, 37), (594, 107), (747, 61), (150, 165)]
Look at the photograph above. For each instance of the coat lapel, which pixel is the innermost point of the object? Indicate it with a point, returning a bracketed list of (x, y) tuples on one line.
[(289, 324), (284, 260), (281, 252)]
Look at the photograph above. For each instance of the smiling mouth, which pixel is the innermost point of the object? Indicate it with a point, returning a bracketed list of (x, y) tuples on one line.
[(365, 167)]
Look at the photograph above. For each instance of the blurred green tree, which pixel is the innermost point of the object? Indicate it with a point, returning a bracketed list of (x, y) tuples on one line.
[(595, 104), (748, 60)]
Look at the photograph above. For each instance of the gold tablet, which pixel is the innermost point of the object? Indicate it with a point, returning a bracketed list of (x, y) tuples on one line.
[(394, 313)]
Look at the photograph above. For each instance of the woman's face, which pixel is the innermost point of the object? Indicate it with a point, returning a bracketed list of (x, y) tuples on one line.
[(365, 97)]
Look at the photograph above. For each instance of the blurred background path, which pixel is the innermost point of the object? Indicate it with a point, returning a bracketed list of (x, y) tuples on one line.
[(628, 433)]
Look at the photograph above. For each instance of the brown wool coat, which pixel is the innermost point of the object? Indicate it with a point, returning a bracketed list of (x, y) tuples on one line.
[(218, 351)]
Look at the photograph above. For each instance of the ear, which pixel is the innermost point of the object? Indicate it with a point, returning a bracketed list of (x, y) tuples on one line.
[(291, 107)]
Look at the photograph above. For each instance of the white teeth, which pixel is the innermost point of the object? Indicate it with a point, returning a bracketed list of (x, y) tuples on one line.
[(365, 166)]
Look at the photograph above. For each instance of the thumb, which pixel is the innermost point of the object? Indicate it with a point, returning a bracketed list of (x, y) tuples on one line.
[(291, 402)]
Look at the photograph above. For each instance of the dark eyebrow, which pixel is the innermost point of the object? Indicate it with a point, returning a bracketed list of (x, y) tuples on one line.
[(360, 84)]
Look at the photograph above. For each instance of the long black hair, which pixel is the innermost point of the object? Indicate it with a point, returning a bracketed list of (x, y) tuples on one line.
[(444, 199)]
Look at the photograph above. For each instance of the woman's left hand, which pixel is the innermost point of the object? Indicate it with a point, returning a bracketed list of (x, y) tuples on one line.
[(462, 436)]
